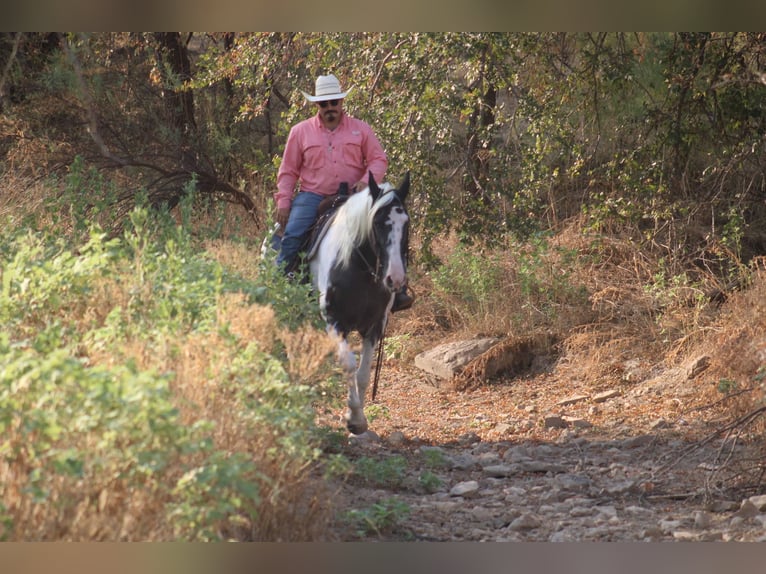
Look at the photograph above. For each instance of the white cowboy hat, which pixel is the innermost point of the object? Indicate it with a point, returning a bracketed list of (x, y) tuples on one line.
[(327, 88)]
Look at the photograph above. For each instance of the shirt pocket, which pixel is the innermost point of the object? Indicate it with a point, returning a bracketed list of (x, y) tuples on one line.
[(314, 158), (352, 155)]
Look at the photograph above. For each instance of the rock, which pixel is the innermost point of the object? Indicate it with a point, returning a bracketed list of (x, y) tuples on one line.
[(501, 470), (577, 422), (638, 510), (684, 535), (366, 438), (723, 506), (668, 526), (701, 519), (465, 489), (572, 400), (746, 510), (759, 502), (463, 461), (605, 396), (526, 521), (448, 359), (620, 487), (554, 422), (637, 441), (542, 467), (573, 482), (396, 438), (697, 366)]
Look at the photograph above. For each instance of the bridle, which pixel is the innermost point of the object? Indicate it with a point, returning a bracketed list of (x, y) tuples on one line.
[(374, 270)]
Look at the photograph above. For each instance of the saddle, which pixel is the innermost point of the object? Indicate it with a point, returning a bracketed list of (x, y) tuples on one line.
[(325, 214)]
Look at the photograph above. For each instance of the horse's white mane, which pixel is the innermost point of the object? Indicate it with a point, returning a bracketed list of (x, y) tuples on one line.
[(355, 217)]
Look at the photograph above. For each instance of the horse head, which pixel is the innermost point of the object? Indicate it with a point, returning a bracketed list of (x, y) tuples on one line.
[(390, 229)]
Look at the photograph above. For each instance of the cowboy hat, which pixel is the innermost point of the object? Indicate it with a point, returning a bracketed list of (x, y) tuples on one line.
[(327, 88)]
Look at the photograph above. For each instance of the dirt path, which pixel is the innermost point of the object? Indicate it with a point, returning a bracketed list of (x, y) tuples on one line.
[(541, 459)]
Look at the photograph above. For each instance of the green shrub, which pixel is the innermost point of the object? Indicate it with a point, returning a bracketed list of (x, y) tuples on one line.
[(388, 472), (380, 518)]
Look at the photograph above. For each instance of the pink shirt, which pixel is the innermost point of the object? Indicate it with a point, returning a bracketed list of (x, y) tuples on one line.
[(321, 159)]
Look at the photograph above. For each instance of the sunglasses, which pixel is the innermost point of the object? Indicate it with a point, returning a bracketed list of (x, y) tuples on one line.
[(326, 103)]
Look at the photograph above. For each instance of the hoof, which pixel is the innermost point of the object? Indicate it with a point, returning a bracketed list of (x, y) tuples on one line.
[(366, 438), (357, 428)]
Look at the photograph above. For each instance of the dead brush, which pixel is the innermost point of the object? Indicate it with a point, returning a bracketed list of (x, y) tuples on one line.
[(736, 389)]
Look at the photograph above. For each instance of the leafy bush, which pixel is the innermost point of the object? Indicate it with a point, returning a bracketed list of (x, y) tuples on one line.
[(388, 472), (145, 396), (380, 518), (519, 287)]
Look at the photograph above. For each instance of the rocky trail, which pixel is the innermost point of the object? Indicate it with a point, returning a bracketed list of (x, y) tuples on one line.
[(543, 458)]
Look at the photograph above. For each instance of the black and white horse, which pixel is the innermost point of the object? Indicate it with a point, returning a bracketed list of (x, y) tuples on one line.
[(356, 268)]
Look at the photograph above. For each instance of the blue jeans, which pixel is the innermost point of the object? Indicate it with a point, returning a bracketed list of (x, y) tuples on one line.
[(303, 213)]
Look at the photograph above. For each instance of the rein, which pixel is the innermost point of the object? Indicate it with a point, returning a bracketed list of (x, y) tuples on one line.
[(370, 269)]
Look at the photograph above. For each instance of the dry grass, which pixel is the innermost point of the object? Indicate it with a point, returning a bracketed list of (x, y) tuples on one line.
[(737, 346), (293, 504)]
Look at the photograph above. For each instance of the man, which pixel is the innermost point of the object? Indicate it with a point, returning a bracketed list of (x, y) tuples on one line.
[(322, 152)]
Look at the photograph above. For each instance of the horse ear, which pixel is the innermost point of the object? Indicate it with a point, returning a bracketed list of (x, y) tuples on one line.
[(374, 189), (404, 187)]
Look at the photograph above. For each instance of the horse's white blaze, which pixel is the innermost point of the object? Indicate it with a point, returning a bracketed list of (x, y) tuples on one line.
[(395, 273)]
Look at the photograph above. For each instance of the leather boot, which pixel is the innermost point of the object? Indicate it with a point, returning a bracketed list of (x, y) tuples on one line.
[(402, 300)]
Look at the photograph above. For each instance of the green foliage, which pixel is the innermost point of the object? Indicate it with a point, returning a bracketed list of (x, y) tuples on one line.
[(545, 276), (43, 281), (472, 279), (429, 481), (524, 284), (387, 472), (380, 518), (223, 489), (72, 428), (727, 386), (294, 302), (394, 346), (434, 458)]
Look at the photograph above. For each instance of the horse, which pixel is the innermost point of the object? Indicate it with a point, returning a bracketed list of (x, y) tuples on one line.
[(356, 267)]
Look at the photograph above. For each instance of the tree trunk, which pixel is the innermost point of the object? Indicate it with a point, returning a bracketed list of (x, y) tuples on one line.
[(175, 67)]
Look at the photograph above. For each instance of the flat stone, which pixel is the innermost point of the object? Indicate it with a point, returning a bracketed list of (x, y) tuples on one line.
[(501, 470), (572, 400), (525, 522), (542, 467), (554, 422), (465, 489), (637, 441), (605, 396), (723, 506), (577, 422), (448, 359)]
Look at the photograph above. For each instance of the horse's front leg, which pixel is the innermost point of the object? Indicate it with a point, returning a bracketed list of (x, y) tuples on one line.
[(363, 380), (356, 422)]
